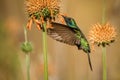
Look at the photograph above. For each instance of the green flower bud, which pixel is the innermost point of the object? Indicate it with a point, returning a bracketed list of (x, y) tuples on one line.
[(26, 47)]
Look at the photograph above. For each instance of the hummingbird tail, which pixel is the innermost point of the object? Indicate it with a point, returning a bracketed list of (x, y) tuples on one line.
[(79, 46), (89, 60)]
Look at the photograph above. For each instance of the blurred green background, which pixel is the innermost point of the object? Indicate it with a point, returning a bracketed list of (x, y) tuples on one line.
[(65, 62)]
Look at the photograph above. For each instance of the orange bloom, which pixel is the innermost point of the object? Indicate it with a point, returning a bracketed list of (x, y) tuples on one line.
[(40, 11), (102, 34)]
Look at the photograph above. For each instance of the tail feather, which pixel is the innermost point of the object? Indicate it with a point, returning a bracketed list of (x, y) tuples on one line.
[(89, 60)]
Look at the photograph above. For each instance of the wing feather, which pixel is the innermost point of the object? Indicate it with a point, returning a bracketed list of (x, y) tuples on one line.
[(63, 34)]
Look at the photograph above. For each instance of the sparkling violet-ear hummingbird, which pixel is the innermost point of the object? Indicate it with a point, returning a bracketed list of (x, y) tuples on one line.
[(70, 33)]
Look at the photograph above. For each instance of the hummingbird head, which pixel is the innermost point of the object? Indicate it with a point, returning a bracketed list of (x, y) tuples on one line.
[(85, 45), (69, 21)]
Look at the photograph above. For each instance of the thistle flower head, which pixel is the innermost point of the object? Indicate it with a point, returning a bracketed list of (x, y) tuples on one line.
[(41, 10), (44, 8), (102, 34)]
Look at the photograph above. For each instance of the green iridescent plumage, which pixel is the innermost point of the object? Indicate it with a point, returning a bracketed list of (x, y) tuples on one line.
[(84, 45), (70, 34)]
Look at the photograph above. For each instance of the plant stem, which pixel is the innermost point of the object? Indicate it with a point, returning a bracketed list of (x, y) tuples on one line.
[(25, 34), (28, 66), (104, 48), (103, 11), (27, 57), (45, 52), (104, 63)]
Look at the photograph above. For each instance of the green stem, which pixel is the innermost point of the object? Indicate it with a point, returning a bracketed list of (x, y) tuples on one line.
[(25, 34), (103, 11), (45, 52), (27, 57), (104, 48), (104, 63), (28, 66)]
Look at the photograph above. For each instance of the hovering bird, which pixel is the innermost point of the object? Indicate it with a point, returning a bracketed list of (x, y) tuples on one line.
[(70, 34)]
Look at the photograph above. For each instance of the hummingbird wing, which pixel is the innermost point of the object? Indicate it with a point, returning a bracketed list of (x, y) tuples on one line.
[(63, 33)]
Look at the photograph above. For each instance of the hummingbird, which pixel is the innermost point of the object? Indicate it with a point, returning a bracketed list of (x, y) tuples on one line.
[(70, 33)]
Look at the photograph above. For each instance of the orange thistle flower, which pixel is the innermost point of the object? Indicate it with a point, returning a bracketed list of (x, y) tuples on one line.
[(102, 34), (40, 11)]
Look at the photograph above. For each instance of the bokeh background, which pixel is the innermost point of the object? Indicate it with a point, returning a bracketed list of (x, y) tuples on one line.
[(65, 62)]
